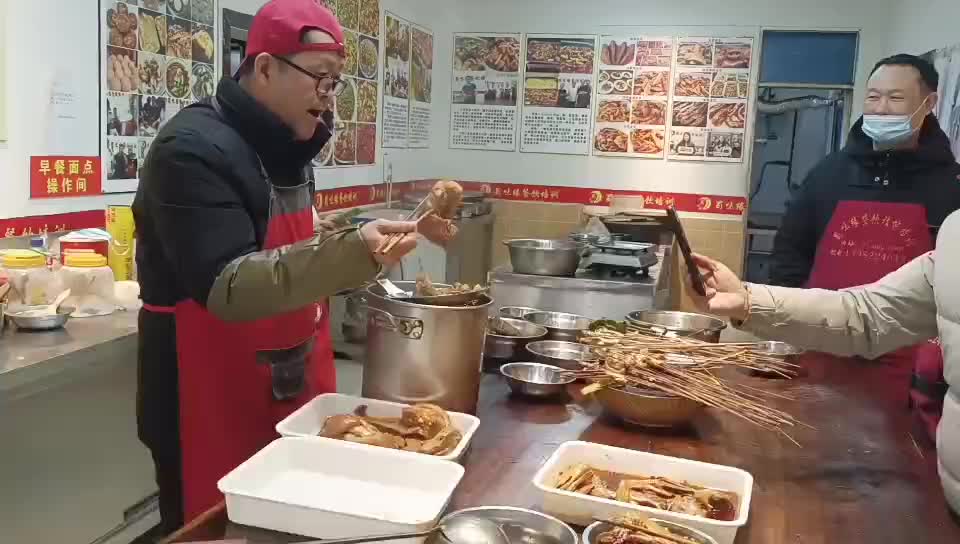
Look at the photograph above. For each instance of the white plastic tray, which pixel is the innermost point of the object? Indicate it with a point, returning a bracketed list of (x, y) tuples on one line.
[(579, 509), (329, 489), (308, 419)]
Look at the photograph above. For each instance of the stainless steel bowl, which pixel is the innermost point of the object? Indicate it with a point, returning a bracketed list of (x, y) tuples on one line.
[(591, 535), (777, 349), (561, 326), (679, 324), (24, 321), (535, 379), (516, 312), (647, 408), (506, 347), (522, 525), (566, 355), (545, 257)]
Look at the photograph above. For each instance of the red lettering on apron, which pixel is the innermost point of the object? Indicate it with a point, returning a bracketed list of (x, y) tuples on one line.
[(238, 380), (864, 242)]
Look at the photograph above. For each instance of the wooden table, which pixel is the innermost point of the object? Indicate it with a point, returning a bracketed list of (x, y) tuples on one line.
[(861, 476)]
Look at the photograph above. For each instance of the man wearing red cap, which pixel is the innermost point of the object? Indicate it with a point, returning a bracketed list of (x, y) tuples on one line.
[(234, 333)]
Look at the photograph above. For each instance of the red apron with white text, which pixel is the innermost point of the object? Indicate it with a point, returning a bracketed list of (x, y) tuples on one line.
[(864, 242), (238, 380)]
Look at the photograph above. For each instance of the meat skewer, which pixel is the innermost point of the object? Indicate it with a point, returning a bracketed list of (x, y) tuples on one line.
[(443, 201)]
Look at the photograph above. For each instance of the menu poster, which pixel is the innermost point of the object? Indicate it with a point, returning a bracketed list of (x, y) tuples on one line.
[(557, 91), (486, 73), (396, 81), (354, 141), (158, 57), (633, 89), (421, 83), (710, 93)]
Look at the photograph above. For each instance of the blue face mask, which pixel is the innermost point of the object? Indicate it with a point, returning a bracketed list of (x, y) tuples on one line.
[(890, 130)]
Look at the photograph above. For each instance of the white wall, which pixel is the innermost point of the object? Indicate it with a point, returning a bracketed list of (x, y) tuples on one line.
[(921, 25), (440, 16), (49, 43), (611, 16)]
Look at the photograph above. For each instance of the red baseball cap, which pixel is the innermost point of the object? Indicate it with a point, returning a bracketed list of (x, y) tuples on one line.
[(279, 26)]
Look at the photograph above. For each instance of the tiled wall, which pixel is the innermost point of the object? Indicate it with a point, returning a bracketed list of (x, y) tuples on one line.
[(722, 239)]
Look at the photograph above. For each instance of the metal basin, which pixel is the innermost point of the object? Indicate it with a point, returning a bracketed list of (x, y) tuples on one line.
[(509, 348), (647, 408), (592, 533), (25, 321), (560, 326), (521, 525), (516, 312), (566, 355), (545, 257), (679, 324), (535, 379)]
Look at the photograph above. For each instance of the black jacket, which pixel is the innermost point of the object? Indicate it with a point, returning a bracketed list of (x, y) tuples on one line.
[(929, 176), (202, 200)]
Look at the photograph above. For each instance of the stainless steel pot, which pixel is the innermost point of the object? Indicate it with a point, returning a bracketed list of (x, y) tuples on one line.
[(510, 347), (560, 326), (545, 257), (678, 324), (420, 353)]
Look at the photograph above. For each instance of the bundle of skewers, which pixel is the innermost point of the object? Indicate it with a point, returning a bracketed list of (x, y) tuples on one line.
[(440, 205), (686, 367)]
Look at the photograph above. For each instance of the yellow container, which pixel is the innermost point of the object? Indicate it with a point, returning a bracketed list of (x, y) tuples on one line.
[(121, 228), (20, 259), (85, 260)]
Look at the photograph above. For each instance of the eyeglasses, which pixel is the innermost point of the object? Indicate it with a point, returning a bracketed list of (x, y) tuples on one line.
[(325, 83)]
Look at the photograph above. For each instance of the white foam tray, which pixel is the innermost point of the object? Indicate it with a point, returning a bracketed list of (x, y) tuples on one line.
[(331, 489), (308, 419), (579, 509)]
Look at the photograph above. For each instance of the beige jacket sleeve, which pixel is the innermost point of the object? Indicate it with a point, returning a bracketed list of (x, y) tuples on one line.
[(271, 282), (897, 311)]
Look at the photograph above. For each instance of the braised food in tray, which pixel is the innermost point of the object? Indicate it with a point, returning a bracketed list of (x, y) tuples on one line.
[(611, 140), (637, 530), (421, 428), (690, 114), (728, 115), (650, 491)]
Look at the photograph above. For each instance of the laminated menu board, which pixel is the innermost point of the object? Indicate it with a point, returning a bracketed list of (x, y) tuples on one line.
[(633, 90), (355, 109), (157, 57), (486, 73), (421, 86), (557, 93), (396, 82), (709, 105)]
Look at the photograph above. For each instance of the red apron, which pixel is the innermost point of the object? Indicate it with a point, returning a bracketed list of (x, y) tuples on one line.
[(864, 242), (238, 380)]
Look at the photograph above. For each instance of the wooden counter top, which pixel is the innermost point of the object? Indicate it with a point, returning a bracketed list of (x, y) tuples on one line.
[(861, 476)]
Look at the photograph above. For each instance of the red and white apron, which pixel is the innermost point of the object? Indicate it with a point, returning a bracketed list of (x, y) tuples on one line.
[(238, 380), (864, 242)]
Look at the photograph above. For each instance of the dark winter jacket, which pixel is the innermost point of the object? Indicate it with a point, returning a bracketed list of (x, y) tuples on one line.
[(929, 176)]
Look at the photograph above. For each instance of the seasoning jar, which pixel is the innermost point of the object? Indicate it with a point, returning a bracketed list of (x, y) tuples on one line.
[(91, 284), (32, 283)]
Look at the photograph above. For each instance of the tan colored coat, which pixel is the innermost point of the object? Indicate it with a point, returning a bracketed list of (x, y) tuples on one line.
[(915, 303)]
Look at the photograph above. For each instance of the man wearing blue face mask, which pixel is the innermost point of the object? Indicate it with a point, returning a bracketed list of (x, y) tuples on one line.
[(865, 211)]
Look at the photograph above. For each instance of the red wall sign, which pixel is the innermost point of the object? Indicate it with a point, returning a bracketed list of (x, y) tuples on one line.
[(62, 176), (42, 224)]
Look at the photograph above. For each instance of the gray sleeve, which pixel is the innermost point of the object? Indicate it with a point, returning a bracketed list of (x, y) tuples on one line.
[(897, 311), (270, 282)]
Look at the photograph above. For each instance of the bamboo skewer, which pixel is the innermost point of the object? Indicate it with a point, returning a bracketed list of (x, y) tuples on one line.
[(684, 367)]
